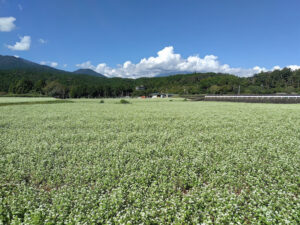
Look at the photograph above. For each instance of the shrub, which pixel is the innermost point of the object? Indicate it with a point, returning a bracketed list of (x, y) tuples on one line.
[(123, 101), (102, 101)]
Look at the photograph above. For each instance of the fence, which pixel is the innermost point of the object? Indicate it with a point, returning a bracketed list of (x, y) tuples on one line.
[(254, 98)]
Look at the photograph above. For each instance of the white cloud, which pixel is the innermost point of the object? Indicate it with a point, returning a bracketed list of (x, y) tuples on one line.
[(65, 65), (54, 64), (168, 62), (23, 45), (293, 67), (16, 56), (86, 65), (7, 24), (276, 68), (42, 41), (49, 63), (20, 7)]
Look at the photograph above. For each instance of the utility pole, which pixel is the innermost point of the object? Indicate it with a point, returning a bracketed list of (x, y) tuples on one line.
[(239, 90)]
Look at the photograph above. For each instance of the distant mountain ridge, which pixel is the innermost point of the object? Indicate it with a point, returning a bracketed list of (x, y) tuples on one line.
[(89, 72), (15, 63), (11, 62)]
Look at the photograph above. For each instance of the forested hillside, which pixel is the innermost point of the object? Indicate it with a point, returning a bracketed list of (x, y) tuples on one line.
[(64, 84), (88, 72)]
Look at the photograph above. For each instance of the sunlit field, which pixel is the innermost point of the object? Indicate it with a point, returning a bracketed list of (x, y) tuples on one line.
[(150, 162), (23, 99)]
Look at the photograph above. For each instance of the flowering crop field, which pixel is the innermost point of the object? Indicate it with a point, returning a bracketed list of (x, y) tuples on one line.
[(150, 162), (24, 99)]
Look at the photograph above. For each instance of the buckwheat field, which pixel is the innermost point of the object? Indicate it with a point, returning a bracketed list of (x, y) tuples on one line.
[(23, 99), (150, 162)]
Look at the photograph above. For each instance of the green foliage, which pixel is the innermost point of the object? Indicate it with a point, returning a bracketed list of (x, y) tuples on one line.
[(78, 86), (123, 101), (77, 91), (23, 86), (39, 86), (31, 94), (34, 102), (102, 101), (160, 162), (55, 89)]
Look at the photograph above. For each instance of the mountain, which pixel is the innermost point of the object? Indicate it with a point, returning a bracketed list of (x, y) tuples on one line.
[(15, 63), (88, 72), (12, 62)]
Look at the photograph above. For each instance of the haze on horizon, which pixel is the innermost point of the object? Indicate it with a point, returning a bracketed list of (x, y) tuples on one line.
[(130, 38)]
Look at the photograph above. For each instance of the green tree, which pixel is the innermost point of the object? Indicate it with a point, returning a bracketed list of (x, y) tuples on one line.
[(55, 89), (38, 86), (23, 86)]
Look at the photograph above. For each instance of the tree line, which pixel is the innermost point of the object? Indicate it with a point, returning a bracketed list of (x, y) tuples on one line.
[(65, 85)]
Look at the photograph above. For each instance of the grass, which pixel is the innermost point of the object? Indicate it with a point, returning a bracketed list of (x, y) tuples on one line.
[(153, 161), (24, 99)]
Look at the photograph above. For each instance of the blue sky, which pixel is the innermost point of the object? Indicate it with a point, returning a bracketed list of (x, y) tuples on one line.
[(123, 37)]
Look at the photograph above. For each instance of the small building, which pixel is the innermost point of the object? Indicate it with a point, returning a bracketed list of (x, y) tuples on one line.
[(158, 95)]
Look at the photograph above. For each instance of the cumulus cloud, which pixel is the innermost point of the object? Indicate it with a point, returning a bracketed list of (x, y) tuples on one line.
[(168, 62), (86, 65), (42, 41), (276, 68), (54, 64), (22, 45), (49, 63), (291, 67), (7, 24)]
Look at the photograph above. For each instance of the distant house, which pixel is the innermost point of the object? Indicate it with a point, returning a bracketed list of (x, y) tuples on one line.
[(140, 88), (158, 95)]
